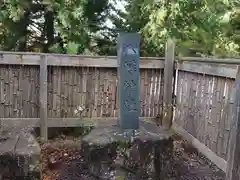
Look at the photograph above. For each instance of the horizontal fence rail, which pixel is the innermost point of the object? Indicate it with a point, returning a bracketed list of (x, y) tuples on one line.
[(209, 60), (73, 60), (228, 71)]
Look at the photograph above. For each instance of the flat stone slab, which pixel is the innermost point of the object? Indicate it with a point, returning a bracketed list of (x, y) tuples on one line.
[(19, 143), (10, 137), (19, 152), (27, 145), (102, 136), (8, 143)]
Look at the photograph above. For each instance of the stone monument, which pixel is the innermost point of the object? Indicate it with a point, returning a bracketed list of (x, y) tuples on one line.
[(113, 150), (128, 80)]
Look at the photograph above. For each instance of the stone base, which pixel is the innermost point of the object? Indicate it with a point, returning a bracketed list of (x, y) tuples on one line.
[(19, 153), (16, 167), (138, 155)]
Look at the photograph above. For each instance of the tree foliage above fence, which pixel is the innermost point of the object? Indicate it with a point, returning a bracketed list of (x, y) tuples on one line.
[(29, 25), (199, 27), (209, 27)]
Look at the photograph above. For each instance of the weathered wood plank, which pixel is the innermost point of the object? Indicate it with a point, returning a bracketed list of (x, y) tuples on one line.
[(21, 59), (66, 55), (233, 171), (98, 61), (74, 60), (29, 123), (210, 60), (229, 71), (43, 98), (168, 84)]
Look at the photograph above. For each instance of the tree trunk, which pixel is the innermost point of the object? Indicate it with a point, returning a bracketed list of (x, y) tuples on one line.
[(24, 22), (48, 30)]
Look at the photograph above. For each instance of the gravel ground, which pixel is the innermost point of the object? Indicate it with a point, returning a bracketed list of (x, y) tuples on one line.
[(61, 160)]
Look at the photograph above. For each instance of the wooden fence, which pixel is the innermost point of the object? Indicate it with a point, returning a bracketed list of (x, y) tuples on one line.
[(51, 87), (205, 99), (205, 110), (69, 88)]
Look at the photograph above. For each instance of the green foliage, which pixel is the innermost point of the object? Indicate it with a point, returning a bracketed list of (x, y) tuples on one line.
[(72, 48), (195, 25), (55, 48), (50, 25), (200, 28), (70, 22)]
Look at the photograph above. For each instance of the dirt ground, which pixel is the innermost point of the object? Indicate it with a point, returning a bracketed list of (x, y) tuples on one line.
[(189, 164)]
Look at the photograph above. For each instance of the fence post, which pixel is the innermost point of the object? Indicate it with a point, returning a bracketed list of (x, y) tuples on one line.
[(43, 99), (167, 112), (233, 162)]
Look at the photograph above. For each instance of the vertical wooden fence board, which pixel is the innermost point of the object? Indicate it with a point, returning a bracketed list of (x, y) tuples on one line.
[(96, 74), (7, 98), (156, 93), (148, 100), (43, 99), (198, 104), (233, 171), (153, 93), (168, 84), (219, 113), (145, 104), (213, 116), (230, 119), (105, 94)]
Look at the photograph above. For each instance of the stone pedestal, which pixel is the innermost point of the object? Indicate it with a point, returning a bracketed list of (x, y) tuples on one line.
[(111, 153), (19, 153), (99, 151)]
